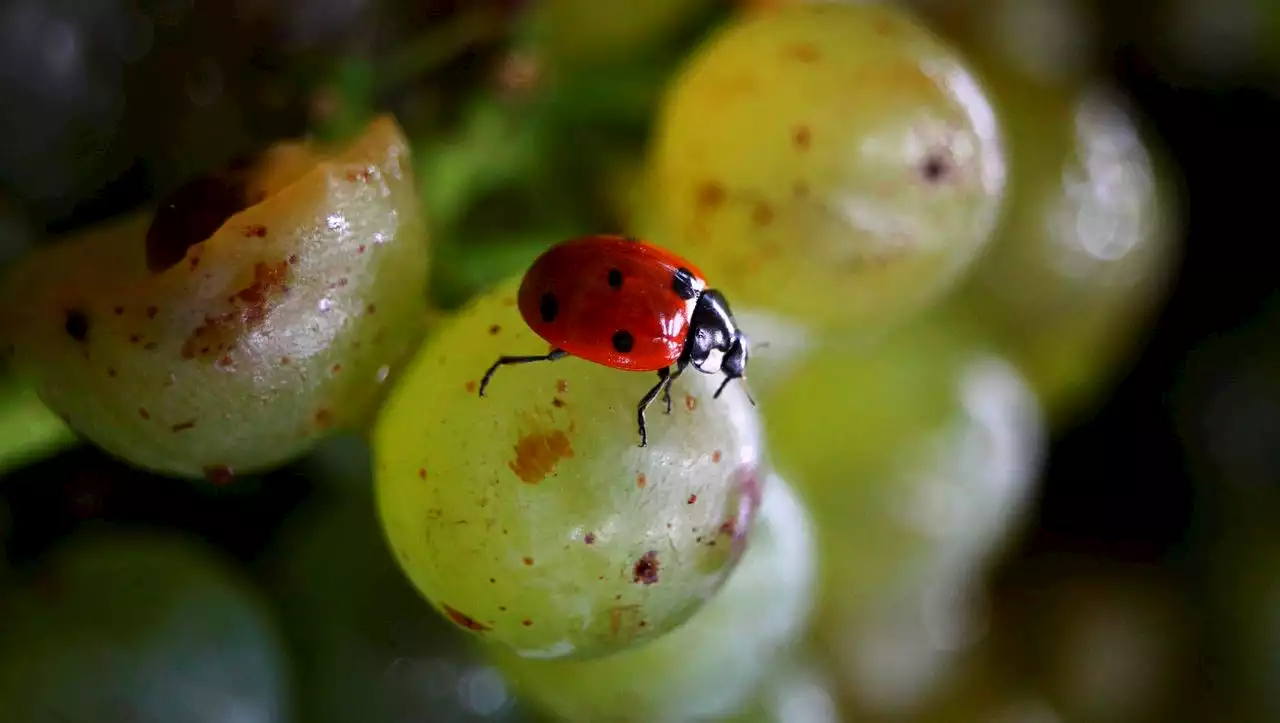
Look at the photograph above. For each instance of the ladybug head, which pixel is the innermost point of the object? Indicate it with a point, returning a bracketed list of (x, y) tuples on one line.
[(715, 344)]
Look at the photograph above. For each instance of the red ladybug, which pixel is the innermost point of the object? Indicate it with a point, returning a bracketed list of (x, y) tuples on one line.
[(628, 305)]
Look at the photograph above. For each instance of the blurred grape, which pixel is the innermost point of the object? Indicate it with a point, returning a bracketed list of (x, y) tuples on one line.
[(836, 163), (574, 32), (796, 692), (244, 323), (367, 647), (147, 627), (1085, 253), (711, 665), (28, 430), (917, 454), (531, 516), (1105, 641)]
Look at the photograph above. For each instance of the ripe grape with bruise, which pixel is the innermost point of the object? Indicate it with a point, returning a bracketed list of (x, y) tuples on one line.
[(838, 161), (138, 626), (251, 313), (532, 517), (711, 665)]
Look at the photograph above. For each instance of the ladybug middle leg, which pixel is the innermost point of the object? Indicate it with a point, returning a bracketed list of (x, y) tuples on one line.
[(664, 380), (666, 390), (553, 355)]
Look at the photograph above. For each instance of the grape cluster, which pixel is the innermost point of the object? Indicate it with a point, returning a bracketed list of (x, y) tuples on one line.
[(933, 257)]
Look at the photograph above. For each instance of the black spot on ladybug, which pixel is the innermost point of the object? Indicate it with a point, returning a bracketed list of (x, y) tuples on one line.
[(77, 325), (682, 284), (615, 279), (623, 342), (549, 307)]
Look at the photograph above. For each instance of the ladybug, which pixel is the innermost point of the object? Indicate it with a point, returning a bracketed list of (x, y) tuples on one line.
[(629, 305)]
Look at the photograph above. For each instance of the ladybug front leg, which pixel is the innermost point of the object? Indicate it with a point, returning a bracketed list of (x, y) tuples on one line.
[(663, 380), (553, 355)]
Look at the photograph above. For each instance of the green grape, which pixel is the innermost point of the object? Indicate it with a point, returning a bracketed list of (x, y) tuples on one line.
[(570, 32), (366, 648), (1086, 250), (796, 692), (145, 627), (532, 517), (837, 163), (917, 454), (232, 338), (709, 666)]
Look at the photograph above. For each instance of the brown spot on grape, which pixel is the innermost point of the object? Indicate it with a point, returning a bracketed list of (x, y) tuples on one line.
[(936, 168), (219, 474), (715, 456), (802, 52), (470, 386), (463, 620), (360, 249), (562, 386), (371, 309), (528, 561), (537, 455), (422, 473), (589, 538), (293, 259), (690, 402), (801, 137), (142, 412), (641, 480), (135, 338), (111, 373), (152, 311), (253, 303), (692, 499), (256, 230), (335, 368), (526, 622), (324, 418), (493, 330), (557, 403), (501, 608), (183, 426), (710, 196), (150, 346), (119, 311), (76, 325), (762, 214), (646, 569)]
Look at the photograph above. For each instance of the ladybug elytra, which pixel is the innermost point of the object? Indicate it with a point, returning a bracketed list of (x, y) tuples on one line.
[(628, 305)]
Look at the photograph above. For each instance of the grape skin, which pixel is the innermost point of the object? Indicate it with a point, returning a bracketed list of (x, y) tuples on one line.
[(532, 517), (838, 161), (139, 626), (277, 329), (711, 665)]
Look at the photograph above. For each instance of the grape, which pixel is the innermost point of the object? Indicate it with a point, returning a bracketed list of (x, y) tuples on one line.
[(1104, 641), (585, 31), (1086, 250), (917, 455), (532, 517), (235, 353), (367, 648), (711, 665), (147, 627), (797, 692), (835, 163)]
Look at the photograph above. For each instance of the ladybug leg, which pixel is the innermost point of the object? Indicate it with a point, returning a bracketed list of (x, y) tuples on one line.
[(666, 390), (553, 355), (652, 394)]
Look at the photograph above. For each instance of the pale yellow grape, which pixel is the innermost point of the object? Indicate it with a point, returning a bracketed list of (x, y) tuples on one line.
[(237, 353), (917, 453), (1085, 253), (711, 665), (569, 32), (838, 162), (532, 517)]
